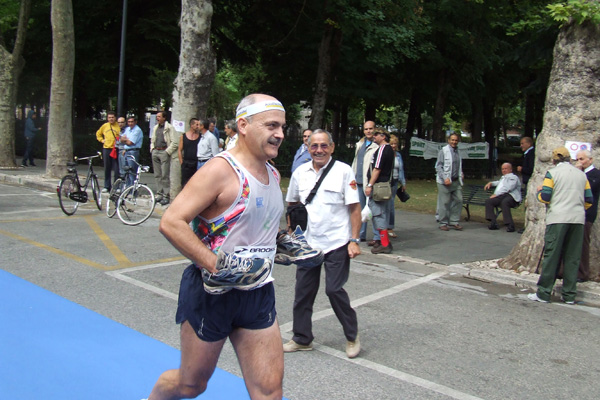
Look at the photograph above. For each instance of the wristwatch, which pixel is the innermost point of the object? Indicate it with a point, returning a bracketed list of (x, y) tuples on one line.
[(369, 185), (355, 240)]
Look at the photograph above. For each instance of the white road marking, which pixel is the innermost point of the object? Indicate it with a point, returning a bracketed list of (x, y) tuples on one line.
[(373, 297), (285, 328), (119, 274)]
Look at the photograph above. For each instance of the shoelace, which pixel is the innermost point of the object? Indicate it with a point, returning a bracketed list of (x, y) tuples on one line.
[(234, 263)]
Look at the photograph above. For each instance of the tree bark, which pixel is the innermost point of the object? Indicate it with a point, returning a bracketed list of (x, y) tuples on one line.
[(440, 108), (572, 113), (197, 68), (60, 123), (11, 65), (328, 54)]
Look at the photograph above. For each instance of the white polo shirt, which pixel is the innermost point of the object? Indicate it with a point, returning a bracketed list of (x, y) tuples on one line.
[(329, 224)]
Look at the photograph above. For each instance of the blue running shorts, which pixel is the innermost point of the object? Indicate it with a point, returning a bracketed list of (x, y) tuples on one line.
[(215, 316)]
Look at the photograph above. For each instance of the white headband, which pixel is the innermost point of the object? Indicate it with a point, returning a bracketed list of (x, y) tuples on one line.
[(256, 108)]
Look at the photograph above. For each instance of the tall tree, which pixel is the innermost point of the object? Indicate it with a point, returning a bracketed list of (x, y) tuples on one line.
[(60, 124), (571, 113), (196, 72), (11, 65)]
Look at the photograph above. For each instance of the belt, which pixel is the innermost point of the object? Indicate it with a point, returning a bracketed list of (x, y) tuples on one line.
[(136, 149), (203, 159), (160, 148)]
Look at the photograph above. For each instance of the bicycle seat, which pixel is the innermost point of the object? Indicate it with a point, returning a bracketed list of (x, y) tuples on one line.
[(126, 168), (71, 164)]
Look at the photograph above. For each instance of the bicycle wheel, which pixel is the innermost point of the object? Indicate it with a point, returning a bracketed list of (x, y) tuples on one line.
[(67, 185), (113, 197), (96, 192), (135, 205)]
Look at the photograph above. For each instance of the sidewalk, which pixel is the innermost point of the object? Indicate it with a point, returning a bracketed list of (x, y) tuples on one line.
[(471, 253)]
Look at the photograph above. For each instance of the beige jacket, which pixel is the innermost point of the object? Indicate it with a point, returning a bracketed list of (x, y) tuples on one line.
[(366, 161), (171, 137)]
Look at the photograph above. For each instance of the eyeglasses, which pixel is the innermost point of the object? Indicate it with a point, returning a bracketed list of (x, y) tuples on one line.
[(322, 146)]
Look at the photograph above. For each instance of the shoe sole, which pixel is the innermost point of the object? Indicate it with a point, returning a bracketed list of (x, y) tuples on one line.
[(298, 349)]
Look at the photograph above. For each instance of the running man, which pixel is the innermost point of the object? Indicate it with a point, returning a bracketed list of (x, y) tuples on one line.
[(228, 292)]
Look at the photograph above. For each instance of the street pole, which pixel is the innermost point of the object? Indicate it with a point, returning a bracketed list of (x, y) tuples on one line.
[(122, 62)]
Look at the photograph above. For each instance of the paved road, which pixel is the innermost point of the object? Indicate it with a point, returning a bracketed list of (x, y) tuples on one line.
[(428, 330)]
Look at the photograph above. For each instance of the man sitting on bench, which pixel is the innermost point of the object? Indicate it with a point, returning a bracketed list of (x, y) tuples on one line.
[(507, 195)]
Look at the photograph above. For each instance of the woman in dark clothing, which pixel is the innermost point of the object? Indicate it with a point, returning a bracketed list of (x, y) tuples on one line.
[(188, 147), (30, 130)]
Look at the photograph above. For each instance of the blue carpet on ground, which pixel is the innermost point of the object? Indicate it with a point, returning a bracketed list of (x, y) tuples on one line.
[(54, 349)]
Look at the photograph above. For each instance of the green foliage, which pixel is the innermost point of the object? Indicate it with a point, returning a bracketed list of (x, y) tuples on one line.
[(579, 11), (9, 16)]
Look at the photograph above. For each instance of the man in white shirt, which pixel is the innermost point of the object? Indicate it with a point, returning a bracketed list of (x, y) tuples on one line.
[(506, 196), (333, 226), (208, 147)]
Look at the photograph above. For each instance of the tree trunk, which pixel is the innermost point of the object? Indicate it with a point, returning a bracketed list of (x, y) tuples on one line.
[(572, 113), (196, 75), (328, 52), (477, 119), (440, 108), (11, 65), (60, 124), (411, 123)]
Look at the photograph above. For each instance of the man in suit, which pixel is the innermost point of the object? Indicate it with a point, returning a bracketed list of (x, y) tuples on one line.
[(584, 162), (526, 169)]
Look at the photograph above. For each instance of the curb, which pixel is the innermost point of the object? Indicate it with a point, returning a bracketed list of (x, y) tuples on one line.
[(48, 185)]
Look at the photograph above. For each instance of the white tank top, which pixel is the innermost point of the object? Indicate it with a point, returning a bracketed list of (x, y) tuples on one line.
[(250, 225)]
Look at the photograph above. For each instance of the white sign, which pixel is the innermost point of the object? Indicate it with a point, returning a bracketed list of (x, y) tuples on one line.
[(179, 125), (427, 149), (575, 147)]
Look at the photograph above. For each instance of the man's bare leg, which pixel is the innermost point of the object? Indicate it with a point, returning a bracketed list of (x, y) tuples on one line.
[(198, 363), (260, 353)]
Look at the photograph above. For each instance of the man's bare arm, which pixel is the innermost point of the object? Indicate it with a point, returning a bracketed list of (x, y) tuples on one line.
[(209, 193)]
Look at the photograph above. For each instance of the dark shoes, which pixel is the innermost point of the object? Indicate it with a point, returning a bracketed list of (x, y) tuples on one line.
[(457, 227), (164, 201), (373, 242), (379, 249), (444, 228), (493, 226), (510, 228)]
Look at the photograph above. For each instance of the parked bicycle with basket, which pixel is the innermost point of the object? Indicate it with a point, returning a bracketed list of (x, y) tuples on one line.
[(70, 190), (133, 204)]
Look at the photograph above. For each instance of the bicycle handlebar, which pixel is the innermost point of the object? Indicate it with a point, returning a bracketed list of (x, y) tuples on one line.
[(88, 158)]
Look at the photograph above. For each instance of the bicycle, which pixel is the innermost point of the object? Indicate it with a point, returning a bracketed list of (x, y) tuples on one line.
[(135, 203), (70, 190)]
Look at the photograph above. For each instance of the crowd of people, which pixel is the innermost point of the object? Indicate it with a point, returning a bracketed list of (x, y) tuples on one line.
[(122, 145), (226, 220)]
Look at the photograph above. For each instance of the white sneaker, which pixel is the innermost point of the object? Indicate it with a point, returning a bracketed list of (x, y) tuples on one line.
[(534, 297), (353, 348), (570, 302), (105, 190)]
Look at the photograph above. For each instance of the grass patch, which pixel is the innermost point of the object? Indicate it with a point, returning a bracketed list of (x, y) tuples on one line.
[(423, 199)]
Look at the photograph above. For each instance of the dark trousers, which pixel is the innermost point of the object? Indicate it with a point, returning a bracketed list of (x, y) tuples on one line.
[(110, 165), (188, 169), (337, 270), (506, 202), (28, 151), (561, 240), (584, 264)]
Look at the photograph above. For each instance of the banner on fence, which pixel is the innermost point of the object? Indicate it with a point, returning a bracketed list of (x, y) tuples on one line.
[(427, 149)]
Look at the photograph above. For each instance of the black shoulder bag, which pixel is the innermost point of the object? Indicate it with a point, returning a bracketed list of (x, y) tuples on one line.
[(296, 213)]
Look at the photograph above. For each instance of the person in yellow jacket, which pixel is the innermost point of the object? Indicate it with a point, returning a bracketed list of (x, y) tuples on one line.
[(108, 134)]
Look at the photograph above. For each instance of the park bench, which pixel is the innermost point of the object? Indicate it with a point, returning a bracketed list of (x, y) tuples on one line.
[(477, 195)]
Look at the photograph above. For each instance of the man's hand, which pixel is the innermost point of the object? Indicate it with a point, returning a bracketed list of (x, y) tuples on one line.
[(492, 196), (487, 186), (353, 249), (447, 181), (368, 191), (519, 168)]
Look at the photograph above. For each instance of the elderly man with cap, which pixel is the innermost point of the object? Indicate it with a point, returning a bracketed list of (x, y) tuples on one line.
[(567, 192), (584, 163)]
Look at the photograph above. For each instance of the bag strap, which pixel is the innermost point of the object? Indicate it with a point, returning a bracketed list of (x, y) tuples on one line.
[(371, 167), (313, 192)]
